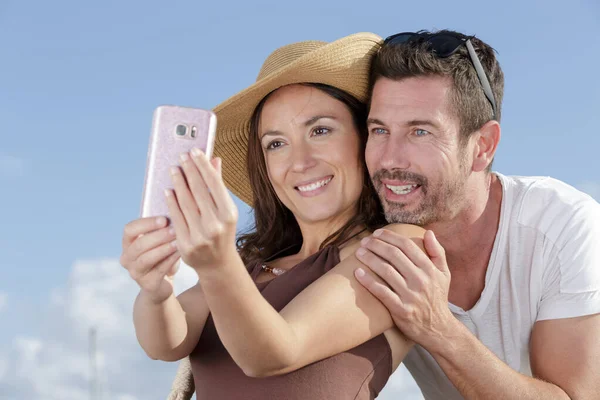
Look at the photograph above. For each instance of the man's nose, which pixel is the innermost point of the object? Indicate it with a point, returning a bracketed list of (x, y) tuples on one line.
[(395, 154)]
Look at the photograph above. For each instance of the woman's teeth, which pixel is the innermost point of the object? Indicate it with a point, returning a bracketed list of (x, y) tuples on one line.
[(315, 185), (405, 189)]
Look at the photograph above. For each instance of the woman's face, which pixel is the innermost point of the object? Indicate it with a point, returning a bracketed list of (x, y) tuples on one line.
[(311, 149)]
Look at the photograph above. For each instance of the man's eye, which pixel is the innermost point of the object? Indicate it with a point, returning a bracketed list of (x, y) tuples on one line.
[(378, 131), (421, 132)]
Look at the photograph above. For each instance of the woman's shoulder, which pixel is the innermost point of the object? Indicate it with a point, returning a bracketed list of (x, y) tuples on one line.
[(408, 230), (352, 244), (414, 232)]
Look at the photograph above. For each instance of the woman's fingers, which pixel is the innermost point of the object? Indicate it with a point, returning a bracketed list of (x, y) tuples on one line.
[(141, 226), (224, 203), (145, 243), (184, 200), (198, 187), (152, 259)]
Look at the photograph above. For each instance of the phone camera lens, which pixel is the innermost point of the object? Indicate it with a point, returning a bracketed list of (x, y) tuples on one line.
[(181, 130)]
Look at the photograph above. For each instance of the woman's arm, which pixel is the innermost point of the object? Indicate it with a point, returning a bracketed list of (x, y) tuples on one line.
[(332, 315), (169, 330)]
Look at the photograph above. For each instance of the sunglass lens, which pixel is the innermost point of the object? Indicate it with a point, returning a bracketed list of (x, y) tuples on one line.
[(444, 45), (399, 38)]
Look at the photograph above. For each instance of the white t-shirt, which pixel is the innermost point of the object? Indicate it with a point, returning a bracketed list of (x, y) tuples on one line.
[(545, 264)]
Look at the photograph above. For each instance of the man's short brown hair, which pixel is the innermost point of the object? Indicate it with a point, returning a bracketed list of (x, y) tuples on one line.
[(415, 59)]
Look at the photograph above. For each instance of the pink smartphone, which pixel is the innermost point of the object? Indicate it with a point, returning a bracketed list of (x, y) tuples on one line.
[(175, 130)]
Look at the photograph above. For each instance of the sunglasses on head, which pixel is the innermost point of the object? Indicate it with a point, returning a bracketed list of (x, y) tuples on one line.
[(444, 45)]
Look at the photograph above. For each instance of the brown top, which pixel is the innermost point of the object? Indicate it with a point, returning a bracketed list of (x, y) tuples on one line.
[(359, 373)]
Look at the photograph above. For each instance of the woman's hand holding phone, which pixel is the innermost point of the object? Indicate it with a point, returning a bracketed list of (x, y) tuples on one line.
[(150, 256), (203, 213)]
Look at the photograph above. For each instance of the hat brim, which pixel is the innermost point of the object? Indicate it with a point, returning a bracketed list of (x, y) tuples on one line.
[(343, 64)]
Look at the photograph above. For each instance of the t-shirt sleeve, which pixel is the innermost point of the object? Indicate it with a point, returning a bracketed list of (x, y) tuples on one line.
[(572, 279)]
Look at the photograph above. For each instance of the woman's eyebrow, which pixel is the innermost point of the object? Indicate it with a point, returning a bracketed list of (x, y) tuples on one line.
[(314, 119), (271, 133), (307, 123)]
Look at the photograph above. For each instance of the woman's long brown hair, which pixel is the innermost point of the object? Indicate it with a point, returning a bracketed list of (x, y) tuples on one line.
[(275, 227)]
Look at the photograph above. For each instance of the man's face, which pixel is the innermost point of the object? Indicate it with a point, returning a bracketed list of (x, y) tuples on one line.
[(414, 154)]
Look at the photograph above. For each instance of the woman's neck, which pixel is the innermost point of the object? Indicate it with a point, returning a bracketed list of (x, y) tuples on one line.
[(315, 233)]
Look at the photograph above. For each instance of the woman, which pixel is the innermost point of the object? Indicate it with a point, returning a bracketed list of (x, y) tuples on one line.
[(298, 319)]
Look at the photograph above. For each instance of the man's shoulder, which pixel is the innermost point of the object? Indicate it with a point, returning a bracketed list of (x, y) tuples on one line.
[(547, 204)]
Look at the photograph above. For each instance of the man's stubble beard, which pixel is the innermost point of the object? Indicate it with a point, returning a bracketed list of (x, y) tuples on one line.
[(439, 203)]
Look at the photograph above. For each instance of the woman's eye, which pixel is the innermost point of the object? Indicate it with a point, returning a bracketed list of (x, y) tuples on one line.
[(275, 144), (421, 132), (321, 131)]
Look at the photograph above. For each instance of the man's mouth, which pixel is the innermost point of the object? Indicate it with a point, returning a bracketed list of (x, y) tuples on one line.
[(314, 185), (402, 189)]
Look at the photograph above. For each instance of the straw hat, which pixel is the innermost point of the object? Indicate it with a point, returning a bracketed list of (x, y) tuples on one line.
[(343, 64)]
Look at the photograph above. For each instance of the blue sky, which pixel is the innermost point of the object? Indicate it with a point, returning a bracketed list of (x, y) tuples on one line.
[(78, 84)]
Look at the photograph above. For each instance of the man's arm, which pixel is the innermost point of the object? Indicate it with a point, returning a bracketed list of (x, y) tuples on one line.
[(562, 360), (416, 294)]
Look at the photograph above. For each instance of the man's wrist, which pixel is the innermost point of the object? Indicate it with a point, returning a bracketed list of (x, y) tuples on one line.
[(450, 340)]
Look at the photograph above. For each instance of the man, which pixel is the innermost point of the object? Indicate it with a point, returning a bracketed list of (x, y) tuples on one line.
[(520, 316)]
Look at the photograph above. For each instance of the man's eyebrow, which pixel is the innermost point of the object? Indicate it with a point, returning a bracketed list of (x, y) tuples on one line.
[(414, 122), (314, 119), (374, 121)]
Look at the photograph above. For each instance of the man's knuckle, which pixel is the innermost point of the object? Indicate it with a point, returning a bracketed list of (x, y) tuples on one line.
[(420, 282), (389, 272), (397, 253)]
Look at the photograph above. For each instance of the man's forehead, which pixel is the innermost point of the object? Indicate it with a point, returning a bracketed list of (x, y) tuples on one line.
[(413, 98)]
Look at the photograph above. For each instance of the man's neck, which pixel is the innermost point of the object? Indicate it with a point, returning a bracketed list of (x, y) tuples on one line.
[(468, 238)]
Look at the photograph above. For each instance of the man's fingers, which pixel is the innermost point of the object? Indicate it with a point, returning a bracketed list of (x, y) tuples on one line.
[(407, 246), (384, 270), (141, 226), (435, 251), (382, 292), (394, 256)]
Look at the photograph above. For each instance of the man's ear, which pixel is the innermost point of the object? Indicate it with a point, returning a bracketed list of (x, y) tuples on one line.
[(486, 141)]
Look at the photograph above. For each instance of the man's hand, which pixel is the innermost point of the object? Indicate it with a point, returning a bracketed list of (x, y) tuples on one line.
[(417, 284)]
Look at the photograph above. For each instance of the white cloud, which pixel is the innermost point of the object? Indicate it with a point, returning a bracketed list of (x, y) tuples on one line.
[(3, 301), (55, 363), (591, 188), (12, 166)]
